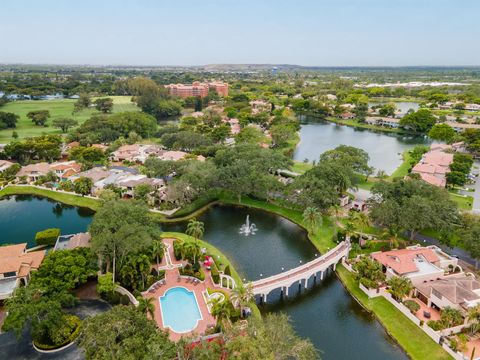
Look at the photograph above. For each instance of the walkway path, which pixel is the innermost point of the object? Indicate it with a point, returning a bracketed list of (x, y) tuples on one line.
[(302, 272)]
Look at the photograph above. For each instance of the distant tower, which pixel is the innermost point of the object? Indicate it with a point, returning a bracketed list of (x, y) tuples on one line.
[(274, 70)]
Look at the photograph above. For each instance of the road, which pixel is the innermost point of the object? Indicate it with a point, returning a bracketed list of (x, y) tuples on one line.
[(476, 194)]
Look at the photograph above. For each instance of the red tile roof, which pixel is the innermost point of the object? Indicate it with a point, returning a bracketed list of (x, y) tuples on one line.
[(402, 261)]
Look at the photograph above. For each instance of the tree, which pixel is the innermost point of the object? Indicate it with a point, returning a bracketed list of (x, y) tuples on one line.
[(249, 135), (312, 218), (84, 100), (369, 272), (121, 228), (64, 123), (242, 295), (442, 132), (83, 185), (281, 134), (157, 251), (387, 110), (8, 120), (221, 310), (195, 229), (420, 121), (456, 178), (141, 191), (469, 232), (105, 285), (124, 333), (146, 306), (39, 117), (105, 105), (400, 287), (64, 270), (451, 317)]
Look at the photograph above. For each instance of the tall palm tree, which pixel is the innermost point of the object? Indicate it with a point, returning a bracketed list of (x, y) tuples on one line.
[(221, 310), (312, 218), (157, 250), (400, 287), (195, 229), (146, 306), (190, 250), (451, 316), (241, 295)]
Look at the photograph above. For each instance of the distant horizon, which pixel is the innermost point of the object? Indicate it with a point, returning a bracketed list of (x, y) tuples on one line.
[(340, 33)]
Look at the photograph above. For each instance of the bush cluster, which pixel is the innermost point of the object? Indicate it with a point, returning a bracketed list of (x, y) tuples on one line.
[(47, 237)]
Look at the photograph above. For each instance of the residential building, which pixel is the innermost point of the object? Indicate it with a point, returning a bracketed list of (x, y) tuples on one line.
[(416, 263), (33, 172), (456, 291), (383, 121), (197, 89), (347, 115), (16, 264), (136, 152), (259, 106), (434, 165), (4, 165), (459, 127), (72, 241)]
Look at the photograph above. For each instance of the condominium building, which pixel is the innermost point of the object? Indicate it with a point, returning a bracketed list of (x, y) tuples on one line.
[(197, 89)]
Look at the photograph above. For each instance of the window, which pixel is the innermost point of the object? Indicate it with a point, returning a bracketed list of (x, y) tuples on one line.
[(9, 274)]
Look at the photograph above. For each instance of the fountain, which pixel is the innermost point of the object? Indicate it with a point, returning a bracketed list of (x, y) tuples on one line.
[(247, 228)]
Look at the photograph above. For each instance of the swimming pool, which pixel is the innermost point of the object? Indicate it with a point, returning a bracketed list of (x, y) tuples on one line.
[(180, 311)]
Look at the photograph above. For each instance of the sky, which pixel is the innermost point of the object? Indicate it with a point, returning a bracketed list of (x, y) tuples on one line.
[(199, 32)]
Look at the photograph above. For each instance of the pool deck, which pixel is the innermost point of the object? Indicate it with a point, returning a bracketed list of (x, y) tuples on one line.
[(173, 279)]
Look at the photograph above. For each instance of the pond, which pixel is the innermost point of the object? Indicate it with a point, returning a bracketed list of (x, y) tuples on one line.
[(385, 149), (22, 216), (327, 314)]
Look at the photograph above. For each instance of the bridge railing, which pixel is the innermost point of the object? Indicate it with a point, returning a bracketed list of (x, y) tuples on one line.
[(300, 268)]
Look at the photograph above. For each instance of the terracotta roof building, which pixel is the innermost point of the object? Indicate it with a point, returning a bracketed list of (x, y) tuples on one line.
[(434, 165), (15, 265)]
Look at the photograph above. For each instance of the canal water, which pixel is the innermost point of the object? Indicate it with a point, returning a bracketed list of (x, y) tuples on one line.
[(385, 149), (327, 314)]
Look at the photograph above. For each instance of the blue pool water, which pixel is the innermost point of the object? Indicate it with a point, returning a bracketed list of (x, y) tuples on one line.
[(180, 310)]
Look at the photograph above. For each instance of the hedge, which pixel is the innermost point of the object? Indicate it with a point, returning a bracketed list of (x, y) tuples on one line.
[(47, 237), (227, 270), (215, 274), (412, 305), (72, 337)]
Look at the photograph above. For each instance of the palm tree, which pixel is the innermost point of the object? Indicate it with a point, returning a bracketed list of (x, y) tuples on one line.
[(146, 306), (195, 229), (312, 218), (157, 250), (191, 250), (451, 317), (359, 219), (474, 319), (241, 295), (221, 310), (400, 287)]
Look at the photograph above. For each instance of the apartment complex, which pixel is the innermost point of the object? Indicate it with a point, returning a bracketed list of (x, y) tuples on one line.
[(197, 89)]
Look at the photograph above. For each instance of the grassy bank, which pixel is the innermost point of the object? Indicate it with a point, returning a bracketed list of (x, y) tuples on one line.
[(404, 168), (69, 199), (410, 337), (57, 108), (357, 124)]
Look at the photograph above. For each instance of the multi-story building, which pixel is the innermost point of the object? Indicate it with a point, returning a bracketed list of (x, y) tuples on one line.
[(197, 89)]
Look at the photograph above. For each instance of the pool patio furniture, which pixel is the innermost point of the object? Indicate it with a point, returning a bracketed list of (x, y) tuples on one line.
[(426, 314)]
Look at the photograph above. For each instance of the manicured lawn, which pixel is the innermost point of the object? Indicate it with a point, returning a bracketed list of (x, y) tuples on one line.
[(463, 202), (301, 167), (411, 338), (54, 195), (403, 169), (58, 108), (356, 123)]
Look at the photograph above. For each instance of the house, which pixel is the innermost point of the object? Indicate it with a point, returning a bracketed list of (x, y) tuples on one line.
[(347, 115), (259, 106), (128, 183), (33, 172), (66, 169), (95, 174), (4, 165), (456, 291), (383, 121), (16, 264), (358, 205), (434, 165), (459, 127), (415, 263), (136, 152), (173, 155), (344, 200), (72, 241)]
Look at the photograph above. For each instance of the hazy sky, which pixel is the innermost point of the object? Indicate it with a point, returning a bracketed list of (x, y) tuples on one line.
[(195, 32)]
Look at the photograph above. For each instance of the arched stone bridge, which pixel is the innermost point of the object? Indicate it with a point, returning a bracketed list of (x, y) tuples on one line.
[(301, 273)]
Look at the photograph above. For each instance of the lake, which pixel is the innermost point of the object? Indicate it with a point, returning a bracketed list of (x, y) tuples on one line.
[(327, 314), (385, 149)]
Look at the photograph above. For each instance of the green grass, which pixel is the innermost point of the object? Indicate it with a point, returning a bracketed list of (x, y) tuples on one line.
[(410, 337), (301, 167), (463, 202), (357, 124), (58, 108), (403, 169), (74, 200)]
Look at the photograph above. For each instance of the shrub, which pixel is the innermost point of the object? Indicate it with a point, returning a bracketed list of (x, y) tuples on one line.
[(188, 270), (435, 324), (47, 237), (215, 274), (177, 249), (412, 306), (105, 284), (227, 270), (71, 323)]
